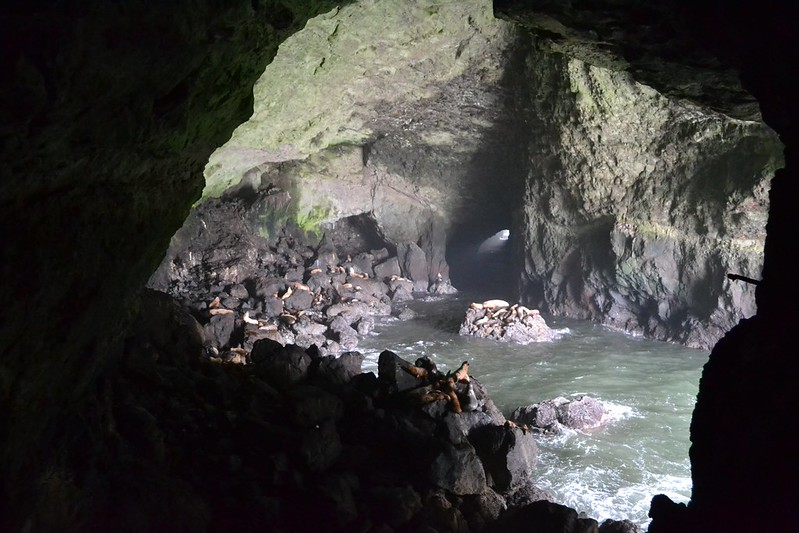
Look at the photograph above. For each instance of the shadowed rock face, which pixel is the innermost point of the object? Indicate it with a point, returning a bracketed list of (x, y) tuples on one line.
[(667, 44), (110, 112), (636, 206)]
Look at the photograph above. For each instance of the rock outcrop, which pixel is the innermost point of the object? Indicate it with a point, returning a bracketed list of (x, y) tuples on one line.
[(550, 416), (637, 207), (295, 436), (110, 111), (498, 320)]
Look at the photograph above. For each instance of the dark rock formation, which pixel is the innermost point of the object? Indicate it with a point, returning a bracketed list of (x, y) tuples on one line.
[(109, 114), (722, 50), (638, 206)]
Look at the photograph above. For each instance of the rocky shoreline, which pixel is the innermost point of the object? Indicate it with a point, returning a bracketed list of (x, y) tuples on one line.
[(297, 436)]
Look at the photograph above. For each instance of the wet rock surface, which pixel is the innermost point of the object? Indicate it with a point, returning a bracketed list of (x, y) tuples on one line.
[(551, 416), (246, 279), (498, 320), (298, 436)]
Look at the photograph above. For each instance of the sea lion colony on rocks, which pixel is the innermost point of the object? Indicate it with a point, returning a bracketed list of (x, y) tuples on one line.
[(295, 294), (296, 434), (498, 320)]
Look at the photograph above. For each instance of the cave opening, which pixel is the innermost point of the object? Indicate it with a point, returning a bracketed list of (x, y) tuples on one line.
[(599, 228)]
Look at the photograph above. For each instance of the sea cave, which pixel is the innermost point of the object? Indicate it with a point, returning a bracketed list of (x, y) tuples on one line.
[(210, 210)]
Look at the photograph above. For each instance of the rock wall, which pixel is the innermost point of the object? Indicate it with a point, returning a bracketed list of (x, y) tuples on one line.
[(109, 113), (392, 109), (637, 206)]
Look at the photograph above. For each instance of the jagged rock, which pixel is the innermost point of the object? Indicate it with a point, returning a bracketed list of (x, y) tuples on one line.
[(300, 300), (266, 286), (546, 516), (458, 470), (528, 493), (307, 326), (583, 413), (219, 329), (458, 426), (238, 291), (365, 325), (320, 446), (340, 370), (441, 514), (413, 263), (508, 455), (388, 269), (278, 365), (310, 405), (619, 526), (273, 306), (406, 313), (482, 509), (442, 286), (393, 375), (498, 320), (394, 506), (363, 263)]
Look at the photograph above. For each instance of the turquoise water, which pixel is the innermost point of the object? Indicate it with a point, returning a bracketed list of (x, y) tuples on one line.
[(649, 388)]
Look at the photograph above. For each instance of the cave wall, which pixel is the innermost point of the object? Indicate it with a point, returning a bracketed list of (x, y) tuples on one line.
[(637, 206), (728, 56), (109, 114), (396, 110)]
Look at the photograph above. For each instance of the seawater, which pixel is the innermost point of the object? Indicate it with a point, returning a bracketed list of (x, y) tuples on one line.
[(648, 387)]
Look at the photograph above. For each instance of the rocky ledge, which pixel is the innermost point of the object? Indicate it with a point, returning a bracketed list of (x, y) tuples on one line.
[(246, 278), (297, 437), (498, 320)]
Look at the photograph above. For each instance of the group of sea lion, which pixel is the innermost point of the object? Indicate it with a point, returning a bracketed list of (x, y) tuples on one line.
[(454, 387), (499, 320)]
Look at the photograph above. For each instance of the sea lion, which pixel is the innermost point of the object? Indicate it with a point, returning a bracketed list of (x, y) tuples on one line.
[(462, 373), (286, 294), (249, 320), (214, 303), (416, 371), (428, 364), (221, 311), (449, 389), (491, 304), (511, 424), (470, 402)]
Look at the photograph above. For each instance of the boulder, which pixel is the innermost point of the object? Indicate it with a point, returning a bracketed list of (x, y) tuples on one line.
[(309, 406), (582, 413), (550, 415), (413, 263), (278, 365), (459, 470), (219, 329), (618, 526), (508, 455), (339, 370), (393, 375), (387, 269)]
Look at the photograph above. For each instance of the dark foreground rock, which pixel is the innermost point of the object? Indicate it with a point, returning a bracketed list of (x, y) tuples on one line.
[(297, 436), (498, 320)]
